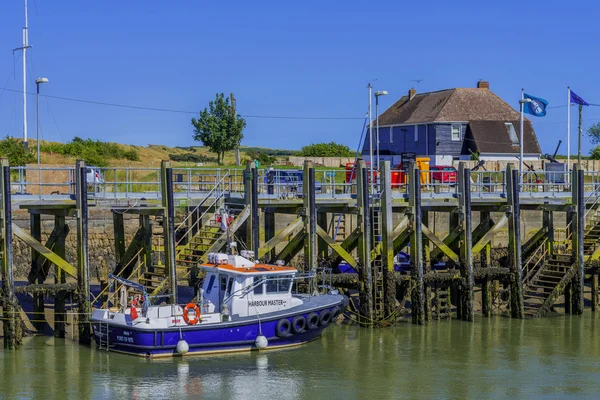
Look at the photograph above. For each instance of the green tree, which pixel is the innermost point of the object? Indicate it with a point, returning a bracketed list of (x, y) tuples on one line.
[(594, 133), (219, 127), (330, 149)]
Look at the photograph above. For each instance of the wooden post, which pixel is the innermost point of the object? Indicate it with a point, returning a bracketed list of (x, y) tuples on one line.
[(364, 242), (60, 297), (250, 166), (83, 274), (548, 224), (578, 234), (416, 247), (309, 214), (466, 253), (322, 244), (387, 242), (169, 227), (514, 243), (594, 291), (146, 244), (8, 286), (487, 297), (254, 213), (39, 314), (119, 232), (269, 221), (426, 268)]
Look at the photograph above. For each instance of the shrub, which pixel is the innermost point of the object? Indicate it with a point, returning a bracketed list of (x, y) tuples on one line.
[(263, 158), (330, 149), (93, 152), (190, 157), (16, 153)]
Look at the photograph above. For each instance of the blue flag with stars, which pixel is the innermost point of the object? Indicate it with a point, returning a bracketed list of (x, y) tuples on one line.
[(536, 106), (577, 100)]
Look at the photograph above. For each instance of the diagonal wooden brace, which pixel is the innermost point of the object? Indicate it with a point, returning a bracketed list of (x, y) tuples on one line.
[(490, 234), (439, 243), (44, 251), (336, 247), (280, 237)]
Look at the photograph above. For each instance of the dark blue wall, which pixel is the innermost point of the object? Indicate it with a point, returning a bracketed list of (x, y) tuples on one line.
[(403, 140)]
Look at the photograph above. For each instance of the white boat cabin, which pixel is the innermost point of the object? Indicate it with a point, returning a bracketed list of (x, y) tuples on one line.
[(239, 287)]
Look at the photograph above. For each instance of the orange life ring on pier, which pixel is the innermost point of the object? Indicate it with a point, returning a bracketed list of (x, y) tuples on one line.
[(186, 318)]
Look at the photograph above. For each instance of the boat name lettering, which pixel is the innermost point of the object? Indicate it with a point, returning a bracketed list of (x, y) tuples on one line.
[(125, 339), (264, 303)]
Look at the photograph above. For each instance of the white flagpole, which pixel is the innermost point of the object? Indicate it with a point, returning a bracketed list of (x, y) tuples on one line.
[(568, 129), (521, 139)]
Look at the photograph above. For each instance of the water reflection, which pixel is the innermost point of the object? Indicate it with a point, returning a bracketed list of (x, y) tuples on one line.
[(491, 358)]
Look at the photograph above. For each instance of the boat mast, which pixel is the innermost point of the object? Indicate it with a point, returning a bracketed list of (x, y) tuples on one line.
[(24, 48)]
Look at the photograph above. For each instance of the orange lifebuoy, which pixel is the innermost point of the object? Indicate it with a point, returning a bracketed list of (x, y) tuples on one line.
[(186, 318)]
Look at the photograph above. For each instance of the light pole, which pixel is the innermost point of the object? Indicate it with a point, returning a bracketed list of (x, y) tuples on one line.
[(377, 94), (37, 99)]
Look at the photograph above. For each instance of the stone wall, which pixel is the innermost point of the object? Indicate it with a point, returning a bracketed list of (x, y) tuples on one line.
[(100, 240)]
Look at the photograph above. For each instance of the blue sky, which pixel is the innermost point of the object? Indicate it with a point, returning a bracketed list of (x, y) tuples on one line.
[(304, 59)]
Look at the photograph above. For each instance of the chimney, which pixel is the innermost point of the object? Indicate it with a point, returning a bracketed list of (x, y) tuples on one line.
[(483, 84), (411, 93)]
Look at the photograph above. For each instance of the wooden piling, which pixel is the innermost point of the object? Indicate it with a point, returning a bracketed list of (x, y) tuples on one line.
[(169, 227), (387, 251), (60, 297), (578, 235), (8, 287), (255, 221), (39, 309), (487, 296), (467, 243), (83, 277), (514, 243), (594, 291), (416, 248), (426, 268), (364, 243)]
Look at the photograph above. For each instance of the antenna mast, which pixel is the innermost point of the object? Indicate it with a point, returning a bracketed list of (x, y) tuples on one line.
[(24, 48)]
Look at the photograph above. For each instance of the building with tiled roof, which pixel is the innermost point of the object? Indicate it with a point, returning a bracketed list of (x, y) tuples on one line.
[(453, 124)]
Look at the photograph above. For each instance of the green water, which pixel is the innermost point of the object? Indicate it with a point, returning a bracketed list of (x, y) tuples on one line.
[(556, 357)]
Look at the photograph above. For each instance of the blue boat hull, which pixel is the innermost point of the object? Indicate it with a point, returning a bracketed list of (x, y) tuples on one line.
[(211, 338)]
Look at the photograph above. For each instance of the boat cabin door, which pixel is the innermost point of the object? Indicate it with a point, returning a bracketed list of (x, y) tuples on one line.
[(225, 287)]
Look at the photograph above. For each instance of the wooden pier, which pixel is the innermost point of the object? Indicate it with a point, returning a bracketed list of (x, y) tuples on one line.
[(362, 227)]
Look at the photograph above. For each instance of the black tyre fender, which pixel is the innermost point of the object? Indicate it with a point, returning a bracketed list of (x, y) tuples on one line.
[(335, 313), (298, 324), (312, 321), (283, 328), (325, 317)]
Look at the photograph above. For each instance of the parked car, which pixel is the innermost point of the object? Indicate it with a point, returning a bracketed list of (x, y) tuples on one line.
[(287, 181), (94, 176), (443, 174)]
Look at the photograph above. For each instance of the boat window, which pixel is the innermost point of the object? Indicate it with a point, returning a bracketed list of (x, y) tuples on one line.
[(283, 284), (229, 286), (272, 285), (258, 289), (279, 284), (211, 282), (223, 282)]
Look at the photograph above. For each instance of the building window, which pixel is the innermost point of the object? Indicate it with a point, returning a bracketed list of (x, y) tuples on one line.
[(391, 134), (416, 127), (455, 132), (512, 134)]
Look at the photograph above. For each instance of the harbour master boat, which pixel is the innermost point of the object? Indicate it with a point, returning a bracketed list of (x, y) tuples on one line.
[(241, 306)]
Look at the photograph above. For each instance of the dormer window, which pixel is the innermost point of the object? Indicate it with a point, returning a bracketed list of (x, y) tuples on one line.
[(512, 134)]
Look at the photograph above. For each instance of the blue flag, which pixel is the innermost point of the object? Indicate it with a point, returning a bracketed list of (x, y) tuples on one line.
[(577, 100), (536, 107)]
